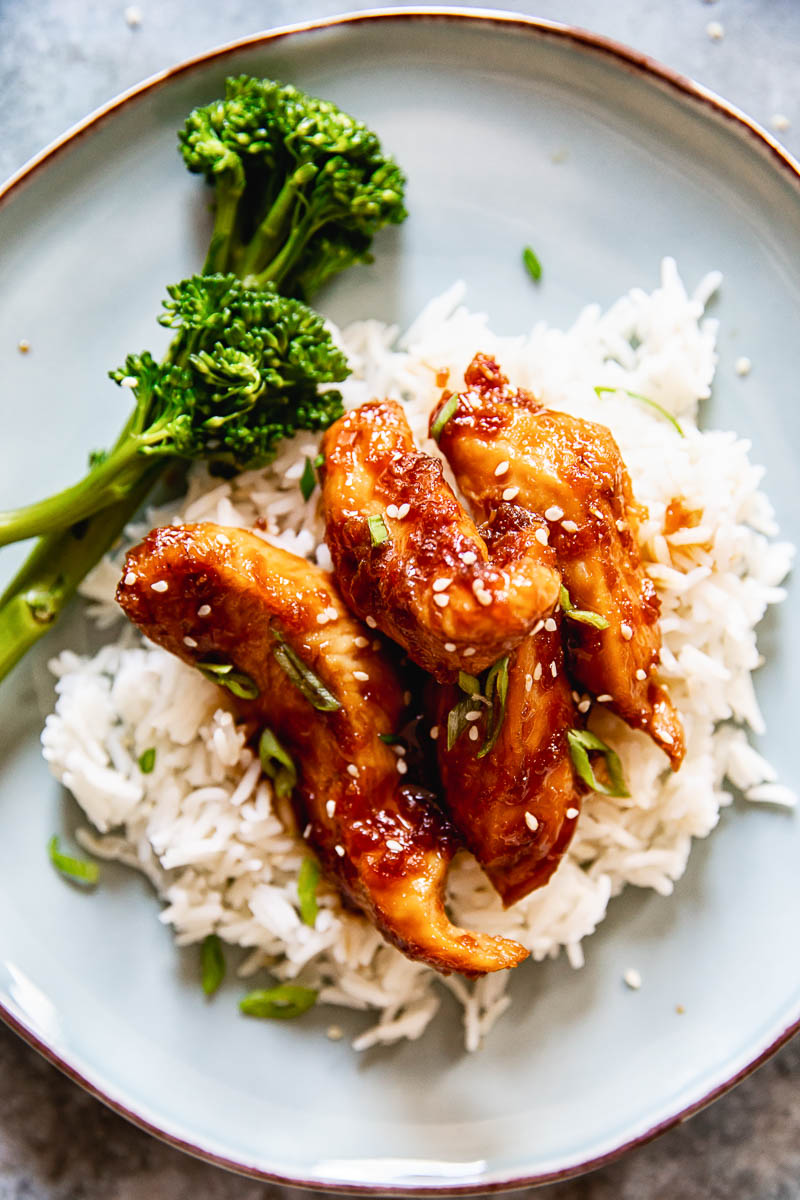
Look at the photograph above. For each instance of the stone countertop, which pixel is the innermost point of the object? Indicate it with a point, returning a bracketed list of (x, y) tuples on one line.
[(62, 58)]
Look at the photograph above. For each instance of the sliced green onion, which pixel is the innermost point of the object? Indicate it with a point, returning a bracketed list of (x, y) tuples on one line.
[(318, 461), (303, 677), (236, 682), (584, 615), (147, 760), (277, 764), (444, 416), (457, 720), (391, 739), (212, 964), (74, 868), (532, 264), (581, 742), (282, 1002), (496, 694), (308, 480), (469, 683), (307, 880), (378, 533), (644, 400)]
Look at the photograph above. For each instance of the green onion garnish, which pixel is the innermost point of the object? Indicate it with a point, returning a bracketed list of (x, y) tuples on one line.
[(445, 413), (282, 1002), (303, 677), (147, 760), (277, 764), (308, 480), (318, 461), (307, 880), (236, 682), (378, 533), (74, 868), (644, 400), (457, 720), (469, 683), (581, 742), (584, 615), (212, 964), (496, 693), (391, 739), (532, 264)]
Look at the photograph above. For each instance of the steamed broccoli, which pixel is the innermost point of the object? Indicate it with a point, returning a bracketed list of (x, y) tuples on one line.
[(301, 188)]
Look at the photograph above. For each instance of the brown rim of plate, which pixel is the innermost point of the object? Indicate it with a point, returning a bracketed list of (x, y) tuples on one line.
[(636, 63)]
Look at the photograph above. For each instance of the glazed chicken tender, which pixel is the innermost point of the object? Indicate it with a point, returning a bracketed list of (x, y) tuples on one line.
[(516, 806), (411, 562), (570, 472), (223, 598)]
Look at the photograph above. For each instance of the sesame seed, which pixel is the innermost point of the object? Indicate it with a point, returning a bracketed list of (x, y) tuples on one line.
[(129, 381), (584, 706), (441, 583), (620, 524), (130, 579), (472, 715), (190, 642), (434, 732), (402, 766), (502, 468), (330, 807), (510, 493), (604, 699), (569, 526), (553, 668), (626, 631), (553, 513), (469, 651), (667, 738), (633, 979), (715, 31), (469, 557), (361, 676), (393, 845), (307, 830), (403, 511), (352, 769), (23, 346), (597, 512), (537, 672), (541, 536), (133, 16), (441, 600), (449, 647), (550, 625), (160, 585), (335, 1033), (743, 366), (531, 822), (779, 122), (400, 751), (576, 697), (373, 624), (333, 613), (339, 850), (473, 733), (571, 814), (391, 511), (223, 539), (528, 682), (361, 642), (204, 610), (483, 598), (322, 617), (641, 674), (538, 627)]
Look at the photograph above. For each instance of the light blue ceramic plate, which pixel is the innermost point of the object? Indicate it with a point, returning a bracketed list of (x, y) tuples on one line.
[(511, 132)]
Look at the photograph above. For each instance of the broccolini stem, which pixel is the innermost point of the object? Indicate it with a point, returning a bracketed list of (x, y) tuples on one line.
[(286, 260), (108, 482), (227, 208), (271, 232), (52, 572)]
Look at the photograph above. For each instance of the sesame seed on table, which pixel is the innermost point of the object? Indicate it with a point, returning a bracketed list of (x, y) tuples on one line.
[(61, 59)]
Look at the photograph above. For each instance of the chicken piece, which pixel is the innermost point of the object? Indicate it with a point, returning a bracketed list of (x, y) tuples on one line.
[(218, 595), (410, 561), (571, 473), (517, 806)]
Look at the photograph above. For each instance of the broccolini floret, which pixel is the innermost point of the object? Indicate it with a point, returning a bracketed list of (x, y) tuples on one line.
[(300, 190)]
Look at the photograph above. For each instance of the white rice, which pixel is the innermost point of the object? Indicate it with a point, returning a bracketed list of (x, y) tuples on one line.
[(204, 826)]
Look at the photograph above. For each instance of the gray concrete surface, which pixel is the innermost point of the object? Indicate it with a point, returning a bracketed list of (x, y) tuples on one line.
[(58, 60)]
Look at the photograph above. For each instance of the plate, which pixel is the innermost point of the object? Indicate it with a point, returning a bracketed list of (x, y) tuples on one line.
[(512, 131)]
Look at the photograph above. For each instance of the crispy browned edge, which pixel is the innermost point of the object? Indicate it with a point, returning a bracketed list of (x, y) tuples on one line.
[(670, 81)]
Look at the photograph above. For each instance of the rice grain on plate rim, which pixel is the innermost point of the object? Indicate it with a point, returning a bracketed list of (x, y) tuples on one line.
[(205, 826)]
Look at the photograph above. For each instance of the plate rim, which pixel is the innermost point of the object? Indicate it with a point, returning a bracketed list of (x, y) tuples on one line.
[(635, 62)]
